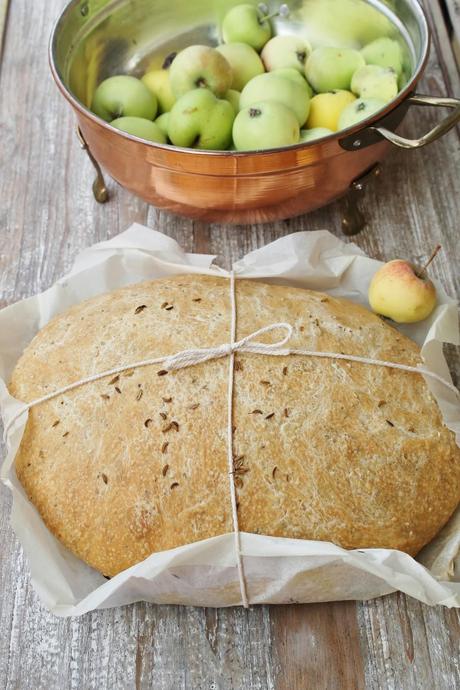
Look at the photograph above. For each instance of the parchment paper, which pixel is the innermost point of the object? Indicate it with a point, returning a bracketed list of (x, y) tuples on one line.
[(277, 570)]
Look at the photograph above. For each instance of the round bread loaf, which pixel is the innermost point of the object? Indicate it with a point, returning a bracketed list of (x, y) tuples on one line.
[(325, 450)]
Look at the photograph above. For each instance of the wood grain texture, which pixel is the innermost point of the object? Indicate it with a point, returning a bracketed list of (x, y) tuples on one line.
[(47, 214), (453, 8), (318, 644)]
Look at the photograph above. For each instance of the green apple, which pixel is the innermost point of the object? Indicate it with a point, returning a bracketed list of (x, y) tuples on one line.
[(201, 120), (234, 98), (140, 127), (123, 96), (163, 123), (286, 51), (359, 110), (272, 87), (200, 67), (294, 75), (244, 61), (247, 24), (344, 23), (384, 52), (326, 108), (332, 68), (265, 125), (159, 83), (307, 135), (373, 81)]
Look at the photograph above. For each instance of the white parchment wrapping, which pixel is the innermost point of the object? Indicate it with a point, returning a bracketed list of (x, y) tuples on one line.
[(277, 570)]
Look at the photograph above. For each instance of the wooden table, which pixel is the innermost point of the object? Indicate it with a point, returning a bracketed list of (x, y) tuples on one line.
[(47, 215)]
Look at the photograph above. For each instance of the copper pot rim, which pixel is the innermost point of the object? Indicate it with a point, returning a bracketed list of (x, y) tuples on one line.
[(332, 138)]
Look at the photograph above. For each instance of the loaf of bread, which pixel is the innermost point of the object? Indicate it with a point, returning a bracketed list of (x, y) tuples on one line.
[(137, 463)]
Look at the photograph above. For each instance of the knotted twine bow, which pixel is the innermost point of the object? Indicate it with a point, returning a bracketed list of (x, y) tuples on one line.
[(249, 344)]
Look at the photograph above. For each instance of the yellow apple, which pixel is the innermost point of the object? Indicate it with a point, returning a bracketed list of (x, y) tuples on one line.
[(326, 108), (158, 82), (402, 293)]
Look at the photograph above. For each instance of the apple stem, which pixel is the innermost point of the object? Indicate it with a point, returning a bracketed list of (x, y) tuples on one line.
[(433, 256), (269, 16), (282, 12)]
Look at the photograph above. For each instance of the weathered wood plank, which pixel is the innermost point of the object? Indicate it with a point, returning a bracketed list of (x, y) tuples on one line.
[(443, 46), (453, 8), (318, 629), (47, 215), (3, 17)]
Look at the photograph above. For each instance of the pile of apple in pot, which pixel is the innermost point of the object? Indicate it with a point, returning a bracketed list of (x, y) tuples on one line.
[(255, 91)]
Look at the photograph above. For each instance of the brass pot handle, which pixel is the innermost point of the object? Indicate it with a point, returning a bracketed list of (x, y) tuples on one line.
[(435, 133)]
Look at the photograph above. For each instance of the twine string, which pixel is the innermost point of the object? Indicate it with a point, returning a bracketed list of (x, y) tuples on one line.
[(188, 358), (230, 455), (249, 344), (181, 360)]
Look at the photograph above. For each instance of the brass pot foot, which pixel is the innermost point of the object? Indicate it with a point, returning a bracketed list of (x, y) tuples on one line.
[(100, 191), (353, 219)]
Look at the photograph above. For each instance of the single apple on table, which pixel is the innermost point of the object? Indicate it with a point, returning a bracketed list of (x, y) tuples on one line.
[(402, 292), (140, 127), (200, 67), (359, 110), (307, 135), (286, 51), (332, 68), (159, 83), (373, 81), (326, 109), (123, 96), (265, 125), (244, 61), (201, 120), (247, 24), (272, 87)]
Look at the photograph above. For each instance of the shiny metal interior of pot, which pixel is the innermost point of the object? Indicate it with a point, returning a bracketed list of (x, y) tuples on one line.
[(95, 39)]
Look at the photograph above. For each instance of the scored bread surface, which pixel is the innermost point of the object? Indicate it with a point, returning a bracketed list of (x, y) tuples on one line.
[(326, 450)]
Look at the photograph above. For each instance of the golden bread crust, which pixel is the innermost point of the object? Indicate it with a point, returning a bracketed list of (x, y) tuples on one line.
[(327, 450)]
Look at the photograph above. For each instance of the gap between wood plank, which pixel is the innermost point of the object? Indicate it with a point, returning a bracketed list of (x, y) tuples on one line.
[(452, 8)]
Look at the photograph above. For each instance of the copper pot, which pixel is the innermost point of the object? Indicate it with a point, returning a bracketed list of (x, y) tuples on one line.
[(94, 39)]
